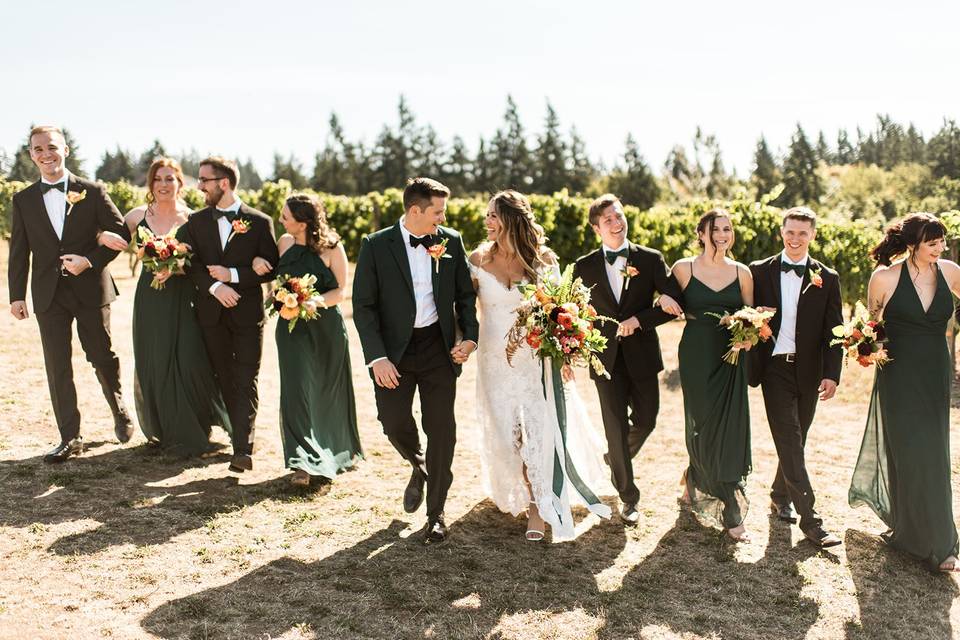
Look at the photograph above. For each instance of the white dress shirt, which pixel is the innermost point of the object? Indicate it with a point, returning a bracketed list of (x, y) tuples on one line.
[(55, 202), (421, 269), (225, 229), (615, 270), (790, 282)]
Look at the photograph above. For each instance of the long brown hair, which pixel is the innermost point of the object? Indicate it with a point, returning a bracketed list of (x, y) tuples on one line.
[(900, 236), (520, 233), (708, 221), (155, 166), (309, 210)]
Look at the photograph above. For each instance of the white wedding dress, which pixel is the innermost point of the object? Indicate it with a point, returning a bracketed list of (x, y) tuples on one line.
[(520, 424)]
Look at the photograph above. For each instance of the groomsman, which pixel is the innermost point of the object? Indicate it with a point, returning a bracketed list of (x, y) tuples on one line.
[(411, 292), (226, 236), (56, 222), (798, 367), (624, 278)]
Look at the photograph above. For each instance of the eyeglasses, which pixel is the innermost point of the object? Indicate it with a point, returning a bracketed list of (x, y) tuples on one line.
[(205, 180)]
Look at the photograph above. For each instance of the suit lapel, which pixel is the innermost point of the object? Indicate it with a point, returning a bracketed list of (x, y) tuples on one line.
[(72, 187), (45, 222), (435, 266), (631, 262), (210, 229), (400, 255)]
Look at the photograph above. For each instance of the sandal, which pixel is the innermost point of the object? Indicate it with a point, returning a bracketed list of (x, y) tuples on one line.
[(534, 535)]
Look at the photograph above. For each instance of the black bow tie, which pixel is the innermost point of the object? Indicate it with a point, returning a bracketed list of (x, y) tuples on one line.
[(612, 256), (798, 269), (229, 215), (426, 241), (44, 187)]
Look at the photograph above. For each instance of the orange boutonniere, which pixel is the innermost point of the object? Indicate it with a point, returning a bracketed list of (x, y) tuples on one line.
[(239, 226), (437, 251), (816, 280), (73, 197), (628, 272)]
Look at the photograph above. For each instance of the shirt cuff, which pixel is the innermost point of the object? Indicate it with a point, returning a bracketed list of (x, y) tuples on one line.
[(214, 286), (373, 362), (234, 277)]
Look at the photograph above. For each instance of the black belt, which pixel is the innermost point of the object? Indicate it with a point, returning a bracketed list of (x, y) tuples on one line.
[(787, 357)]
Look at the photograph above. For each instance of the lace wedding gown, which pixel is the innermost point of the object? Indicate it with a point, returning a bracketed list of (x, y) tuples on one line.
[(520, 427)]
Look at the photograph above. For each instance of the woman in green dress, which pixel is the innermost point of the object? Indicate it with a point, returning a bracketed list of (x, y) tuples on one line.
[(318, 415), (714, 392), (175, 394), (903, 472)]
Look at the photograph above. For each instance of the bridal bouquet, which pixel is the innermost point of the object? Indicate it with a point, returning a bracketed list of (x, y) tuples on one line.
[(557, 321), (162, 254), (294, 298), (747, 327), (862, 339)]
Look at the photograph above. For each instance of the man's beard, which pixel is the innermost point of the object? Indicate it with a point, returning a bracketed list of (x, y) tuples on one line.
[(213, 196)]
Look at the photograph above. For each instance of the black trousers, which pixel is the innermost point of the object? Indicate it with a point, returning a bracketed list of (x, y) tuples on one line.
[(790, 412), (629, 408), (425, 366), (56, 337), (235, 353)]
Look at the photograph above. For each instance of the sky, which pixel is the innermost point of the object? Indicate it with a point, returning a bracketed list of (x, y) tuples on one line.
[(248, 79)]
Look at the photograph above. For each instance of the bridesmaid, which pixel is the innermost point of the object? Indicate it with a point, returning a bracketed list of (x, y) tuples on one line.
[(903, 472), (175, 395), (318, 416), (714, 392)]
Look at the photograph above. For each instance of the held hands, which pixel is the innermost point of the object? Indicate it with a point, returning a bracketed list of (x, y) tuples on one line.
[(112, 240), (226, 296), (18, 309), (219, 273), (567, 373), (261, 267), (74, 264), (669, 305), (827, 389), (385, 374), (462, 350), (628, 327)]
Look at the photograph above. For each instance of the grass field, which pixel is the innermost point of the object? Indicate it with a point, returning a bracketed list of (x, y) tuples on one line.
[(124, 542)]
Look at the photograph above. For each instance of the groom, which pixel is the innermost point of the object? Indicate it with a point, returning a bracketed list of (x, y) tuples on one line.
[(56, 221), (225, 237), (411, 292), (798, 367), (624, 277)]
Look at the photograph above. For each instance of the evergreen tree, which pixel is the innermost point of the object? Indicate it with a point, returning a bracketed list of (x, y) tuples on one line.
[(511, 157), (288, 169), (915, 147), (431, 154), (766, 174), (457, 172), (249, 176), (943, 151), (890, 141), (823, 150), (335, 169), (4, 162), (634, 183), (802, 183), (394, 151), (483, 170), (190, 163), (550, 157), (23, 169), (146, 159), (116, 166), (845, 152), (581, 170)]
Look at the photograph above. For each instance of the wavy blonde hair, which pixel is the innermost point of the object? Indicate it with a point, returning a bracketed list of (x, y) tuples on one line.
[(519, 232)]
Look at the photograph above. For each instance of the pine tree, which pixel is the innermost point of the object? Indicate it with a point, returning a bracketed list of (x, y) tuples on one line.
[(943, 151), (890, 142), (802, 183), (915, 147), (483, 170), (581, 170), (249, 176), (845, 152), (766, 174), (288, 169), (146, 159), (510, 155), (190, 163), (335, 169), (823, 150), (116, 166), (23, 169), (550, 157), (634, 183), (457, 172)]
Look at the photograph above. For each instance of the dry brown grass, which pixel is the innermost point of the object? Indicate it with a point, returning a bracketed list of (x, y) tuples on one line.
[(125, 543)]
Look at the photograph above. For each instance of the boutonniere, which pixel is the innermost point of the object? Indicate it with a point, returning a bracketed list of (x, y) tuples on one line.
[(628, 272), (816, 280), (437, 251), (73, 197), (239, 226)]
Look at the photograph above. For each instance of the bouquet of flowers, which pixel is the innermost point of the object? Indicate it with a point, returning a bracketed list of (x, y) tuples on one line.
[(747, 327), (557, 321), (862, 339), (162, 254), (294, 298)]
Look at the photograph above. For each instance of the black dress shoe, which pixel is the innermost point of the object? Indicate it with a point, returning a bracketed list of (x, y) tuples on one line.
[(123, 428), (784, 513), (436, 531), (241, 462), (64, 450), (413, 494), (821, 538), (629, 514)]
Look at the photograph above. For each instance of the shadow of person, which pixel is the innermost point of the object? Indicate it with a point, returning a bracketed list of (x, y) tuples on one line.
[(691, 584), (390, 586), (898, 596), (119, 489)]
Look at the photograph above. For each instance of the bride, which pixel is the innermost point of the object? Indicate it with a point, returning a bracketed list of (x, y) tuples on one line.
[(529, 461)]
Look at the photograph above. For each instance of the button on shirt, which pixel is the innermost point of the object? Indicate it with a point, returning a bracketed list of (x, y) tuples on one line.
[(615, 270), (55, 202), (225, 229), (421, 269), (789, 298)]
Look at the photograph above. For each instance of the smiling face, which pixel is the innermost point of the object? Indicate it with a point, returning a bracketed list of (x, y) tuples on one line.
[(718, 237), (49, 151), (166, 185), (797, 236), (421, 221), (929, 251), (492, 221), (213, 187), (290, 224), (611, 226)]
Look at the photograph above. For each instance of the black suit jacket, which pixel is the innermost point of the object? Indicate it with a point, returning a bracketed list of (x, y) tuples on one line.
[(641, 350), (819, 310), (201, 233), (33, 234), (384, 308)]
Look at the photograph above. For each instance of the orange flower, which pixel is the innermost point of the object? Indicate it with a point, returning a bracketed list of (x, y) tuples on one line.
[(765, 332), (289, 313)]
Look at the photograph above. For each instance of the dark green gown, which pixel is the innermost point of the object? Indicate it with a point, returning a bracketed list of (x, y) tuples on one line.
[(903, 472), (715, 406), (175, 393), (318, 415)]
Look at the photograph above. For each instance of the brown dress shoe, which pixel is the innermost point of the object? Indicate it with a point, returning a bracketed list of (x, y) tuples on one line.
[(64, 450), (821, 538)]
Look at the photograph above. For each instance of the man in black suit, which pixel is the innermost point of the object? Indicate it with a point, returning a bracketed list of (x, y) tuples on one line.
[(225, 237), (624, 278), (56, 221), (798, 367), (407, 306)]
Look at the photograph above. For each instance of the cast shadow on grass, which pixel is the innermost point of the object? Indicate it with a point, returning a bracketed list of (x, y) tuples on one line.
[(899, 597), (388, 586), (115, 489)]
